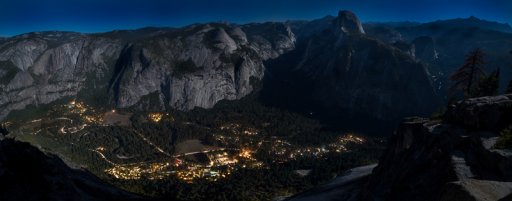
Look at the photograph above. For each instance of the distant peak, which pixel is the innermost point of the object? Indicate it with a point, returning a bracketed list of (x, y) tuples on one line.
[(346, 13), (473, 18), (348, 23)]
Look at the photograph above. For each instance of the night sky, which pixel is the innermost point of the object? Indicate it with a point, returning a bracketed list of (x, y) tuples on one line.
[(21, 16)]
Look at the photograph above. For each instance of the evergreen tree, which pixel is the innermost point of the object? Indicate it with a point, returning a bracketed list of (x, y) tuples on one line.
[(467, 76), (487, 85)]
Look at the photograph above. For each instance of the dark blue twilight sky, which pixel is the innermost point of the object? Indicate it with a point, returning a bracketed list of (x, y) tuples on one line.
[(20, 16)]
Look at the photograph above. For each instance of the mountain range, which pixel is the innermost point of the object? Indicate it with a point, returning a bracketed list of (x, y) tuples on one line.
[(334, 66)]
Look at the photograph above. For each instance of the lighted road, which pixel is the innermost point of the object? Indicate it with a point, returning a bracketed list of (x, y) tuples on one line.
[(198, 152), (104, 157), (64, 118), (152, 144)]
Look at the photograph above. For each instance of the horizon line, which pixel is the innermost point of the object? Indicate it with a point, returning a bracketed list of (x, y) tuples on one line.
[(238, 23)]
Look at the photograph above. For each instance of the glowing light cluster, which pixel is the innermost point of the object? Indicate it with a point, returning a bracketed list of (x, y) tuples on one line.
[(136, 171), (155, 117)]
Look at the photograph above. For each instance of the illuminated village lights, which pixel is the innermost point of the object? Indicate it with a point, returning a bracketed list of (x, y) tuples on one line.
[(133, 172), (223, 162), (155, 117), (352, 138), (246, 153)]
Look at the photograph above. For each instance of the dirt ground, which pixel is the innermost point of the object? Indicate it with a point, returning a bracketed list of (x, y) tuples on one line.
[(117, 118)]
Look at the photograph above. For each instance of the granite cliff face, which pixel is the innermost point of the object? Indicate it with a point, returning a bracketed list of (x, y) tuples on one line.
[(195, 66)]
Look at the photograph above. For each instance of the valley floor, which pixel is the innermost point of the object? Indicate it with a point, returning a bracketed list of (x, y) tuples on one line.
[(177, 155)]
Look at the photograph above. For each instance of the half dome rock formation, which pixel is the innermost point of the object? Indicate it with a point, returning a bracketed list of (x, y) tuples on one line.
[(348, 23)]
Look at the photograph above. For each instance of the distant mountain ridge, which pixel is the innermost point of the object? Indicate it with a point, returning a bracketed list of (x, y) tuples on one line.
[(473, 22), (469, 22)]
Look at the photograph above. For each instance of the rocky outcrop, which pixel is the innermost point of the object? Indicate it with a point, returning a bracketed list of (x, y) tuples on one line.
[(487, 113), (451, 159), (28, 174), (195, 66)]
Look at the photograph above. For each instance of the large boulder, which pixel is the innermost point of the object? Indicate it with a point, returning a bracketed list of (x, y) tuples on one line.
[(492, 112)]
